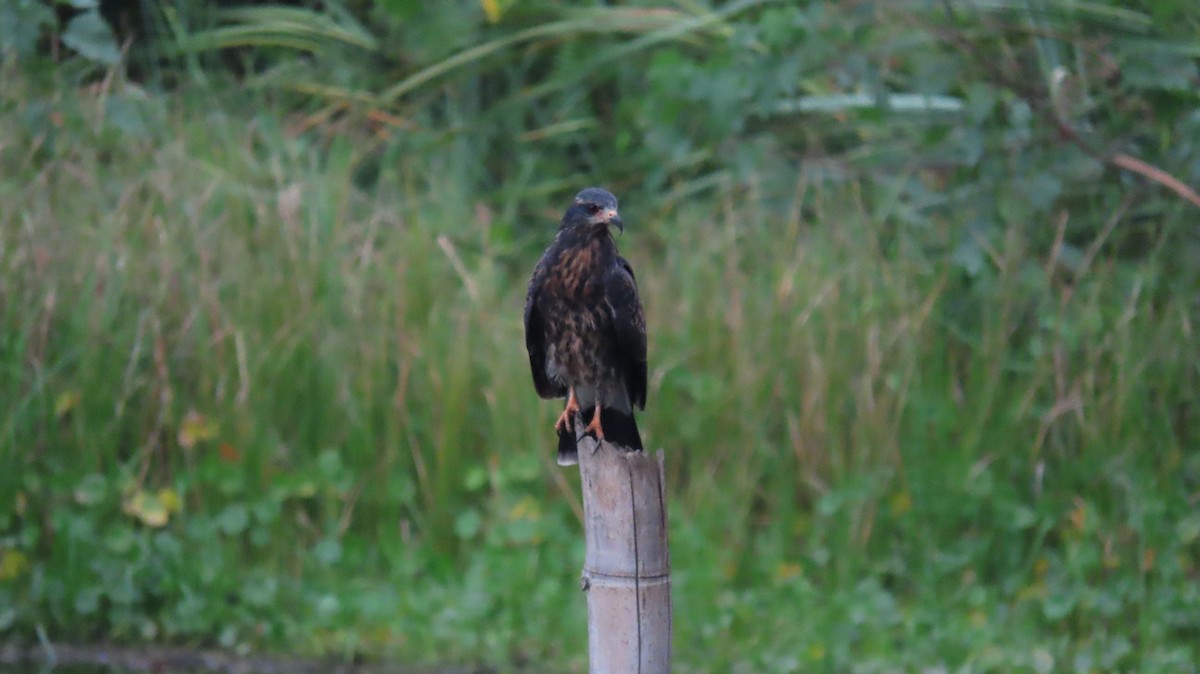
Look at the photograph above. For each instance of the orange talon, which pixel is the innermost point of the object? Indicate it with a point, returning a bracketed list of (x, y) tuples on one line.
[(594, 427), (567, 418)]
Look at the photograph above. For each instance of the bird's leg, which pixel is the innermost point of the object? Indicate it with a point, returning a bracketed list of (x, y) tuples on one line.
[(594, 427), (566, 420)]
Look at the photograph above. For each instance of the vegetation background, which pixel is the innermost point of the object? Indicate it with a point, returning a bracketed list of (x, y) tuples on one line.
[(922, 278)]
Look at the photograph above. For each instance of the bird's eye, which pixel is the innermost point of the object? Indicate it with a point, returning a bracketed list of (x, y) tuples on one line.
[(593, 209)]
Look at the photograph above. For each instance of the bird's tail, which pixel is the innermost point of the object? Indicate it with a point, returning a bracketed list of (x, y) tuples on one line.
[(620, 428), (568, 452)]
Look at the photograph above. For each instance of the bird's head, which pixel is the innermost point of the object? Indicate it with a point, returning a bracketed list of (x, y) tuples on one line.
[(594, 209)]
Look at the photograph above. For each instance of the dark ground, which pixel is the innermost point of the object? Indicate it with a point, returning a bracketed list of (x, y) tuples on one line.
[(26, 659)]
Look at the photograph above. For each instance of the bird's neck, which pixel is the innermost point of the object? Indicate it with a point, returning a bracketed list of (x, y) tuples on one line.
[(601, 238)]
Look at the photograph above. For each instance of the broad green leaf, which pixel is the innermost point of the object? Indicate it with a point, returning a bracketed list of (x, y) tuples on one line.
[(196, 428), (13, 564), (150, 509), (91, 36), (65, 402), (233, 519), (91, 489), (87, 601), (468, 523), (129, 115), (22, 24), (328, 551)]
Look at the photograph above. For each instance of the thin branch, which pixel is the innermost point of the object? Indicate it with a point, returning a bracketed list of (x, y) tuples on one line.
[(1157, 175)]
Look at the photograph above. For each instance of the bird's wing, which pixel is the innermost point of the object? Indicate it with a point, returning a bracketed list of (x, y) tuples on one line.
[(629, 322), (535, 337)]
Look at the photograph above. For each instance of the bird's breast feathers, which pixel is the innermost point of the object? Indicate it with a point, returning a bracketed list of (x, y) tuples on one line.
[(573, 272)]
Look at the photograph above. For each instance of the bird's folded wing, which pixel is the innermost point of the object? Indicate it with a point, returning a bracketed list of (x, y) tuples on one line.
[(535, 338), (629, 322)]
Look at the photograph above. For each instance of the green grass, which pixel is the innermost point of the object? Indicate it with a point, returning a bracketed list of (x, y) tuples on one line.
[(876, 462)]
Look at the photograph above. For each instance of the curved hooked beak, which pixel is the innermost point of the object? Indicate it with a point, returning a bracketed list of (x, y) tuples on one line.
[(613, 219)]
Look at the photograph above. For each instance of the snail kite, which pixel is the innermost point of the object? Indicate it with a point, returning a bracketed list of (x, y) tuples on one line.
[(585, 330)]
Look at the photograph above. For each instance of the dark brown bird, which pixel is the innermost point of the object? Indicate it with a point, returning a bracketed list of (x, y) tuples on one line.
[(584, 327)]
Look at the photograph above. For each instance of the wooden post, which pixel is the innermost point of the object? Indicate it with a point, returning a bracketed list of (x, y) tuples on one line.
[(627, 571)]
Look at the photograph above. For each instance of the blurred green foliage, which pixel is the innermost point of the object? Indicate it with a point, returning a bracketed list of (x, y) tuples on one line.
[(921, 280)]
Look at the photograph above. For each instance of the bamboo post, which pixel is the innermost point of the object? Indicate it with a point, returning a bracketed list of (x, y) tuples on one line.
[(627, 570)]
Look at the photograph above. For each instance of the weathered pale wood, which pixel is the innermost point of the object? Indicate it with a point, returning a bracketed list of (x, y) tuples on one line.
[(627, 571)]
